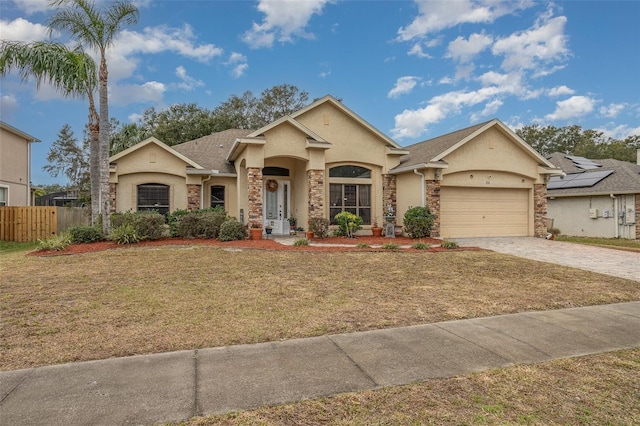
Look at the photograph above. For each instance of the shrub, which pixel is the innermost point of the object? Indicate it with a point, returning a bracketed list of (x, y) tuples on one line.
[(418, 222), (390, 246), (148, 225), (348, 224), (55, 243), (362, 245), (197, 223), (85, 234), (125, 234), (420, 246), (319, 226), (449, 244), (232, 230), (173, 219), (301, 242)]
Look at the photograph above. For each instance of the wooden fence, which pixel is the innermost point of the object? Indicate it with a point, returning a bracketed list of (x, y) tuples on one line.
[(22, 224)]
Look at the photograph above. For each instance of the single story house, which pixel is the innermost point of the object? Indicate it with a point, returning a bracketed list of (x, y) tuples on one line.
[(323, 159), (595, 198), (15, 166)]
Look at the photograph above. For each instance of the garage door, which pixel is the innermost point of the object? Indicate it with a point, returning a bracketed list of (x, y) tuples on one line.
[(483, 212)]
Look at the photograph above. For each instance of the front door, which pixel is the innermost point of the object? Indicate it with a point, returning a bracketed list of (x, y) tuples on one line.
[(277, 200)]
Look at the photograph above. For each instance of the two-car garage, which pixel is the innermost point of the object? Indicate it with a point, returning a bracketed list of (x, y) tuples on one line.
[(484, 212)]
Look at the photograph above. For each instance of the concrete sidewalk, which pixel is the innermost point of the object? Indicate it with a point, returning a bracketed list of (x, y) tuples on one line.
[(176, 386)]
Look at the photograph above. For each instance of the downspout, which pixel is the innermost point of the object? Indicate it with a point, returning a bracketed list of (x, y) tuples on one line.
[(29, 173), (615, 214), (424, 201), (202, 191)]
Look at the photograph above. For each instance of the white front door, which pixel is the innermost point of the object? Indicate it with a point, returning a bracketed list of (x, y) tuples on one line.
[(276, 208)]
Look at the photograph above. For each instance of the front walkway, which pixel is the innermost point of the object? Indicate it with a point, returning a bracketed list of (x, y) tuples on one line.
[(617, 263), (176, 386)]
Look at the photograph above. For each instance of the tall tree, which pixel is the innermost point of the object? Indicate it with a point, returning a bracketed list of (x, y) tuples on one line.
[(279, 101), (72, 72), (68, 157), (96, 28)]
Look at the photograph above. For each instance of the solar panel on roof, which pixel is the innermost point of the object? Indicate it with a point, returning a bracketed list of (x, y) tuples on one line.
[(583, 163), (578, 180)]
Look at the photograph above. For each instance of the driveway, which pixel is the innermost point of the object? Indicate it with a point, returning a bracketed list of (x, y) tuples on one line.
[(617, 263)]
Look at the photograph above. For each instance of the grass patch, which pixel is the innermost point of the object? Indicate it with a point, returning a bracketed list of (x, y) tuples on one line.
[(390, 246), (613, 242), (597, 389), (301, 242), (156, 299), (362, 245), (7, 247)]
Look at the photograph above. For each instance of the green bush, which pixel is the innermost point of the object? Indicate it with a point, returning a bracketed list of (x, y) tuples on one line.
[(232, 230), (148, 225), (449, 244), (55, 243), (319, 226), (348, 224), (301, 242), (125, 234), (173, 219), (390, 246), (197, 223), (418, 222), (85, 234), (420, 246), (362, 245)]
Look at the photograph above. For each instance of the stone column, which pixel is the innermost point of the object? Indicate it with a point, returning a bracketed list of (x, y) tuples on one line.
[(540, 210), (315, 183), (637, 197), (193, 197), (389, 194), (432, 189), (112, 193), (254, 194)]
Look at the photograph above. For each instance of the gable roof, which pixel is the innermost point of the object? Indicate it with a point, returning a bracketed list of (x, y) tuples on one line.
[(624, 179), (8, 127), (431, 153), (211, 151), (158, 143)]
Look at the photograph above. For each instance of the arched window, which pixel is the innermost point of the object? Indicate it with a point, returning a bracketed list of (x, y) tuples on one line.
[(153, 196), (350, 191)]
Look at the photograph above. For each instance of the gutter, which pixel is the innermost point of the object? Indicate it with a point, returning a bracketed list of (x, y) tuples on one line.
[(423, 186)]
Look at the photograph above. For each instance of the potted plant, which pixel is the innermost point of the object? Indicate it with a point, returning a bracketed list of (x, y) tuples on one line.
[(292, 222), (376, 230), (255, 231), (268, 229)]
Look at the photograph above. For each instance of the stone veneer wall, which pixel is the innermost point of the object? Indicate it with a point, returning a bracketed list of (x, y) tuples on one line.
[(389, 196), (315, 183), (540, 210), (254, 191), (433, 202), (637, 197), (193, 196), (112, 193)]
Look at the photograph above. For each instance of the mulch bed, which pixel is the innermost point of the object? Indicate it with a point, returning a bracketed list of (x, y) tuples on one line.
[(331, 244)]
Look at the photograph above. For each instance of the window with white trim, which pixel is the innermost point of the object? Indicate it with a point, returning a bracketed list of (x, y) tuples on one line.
[(4, 196), (350, 191), (153, 197)]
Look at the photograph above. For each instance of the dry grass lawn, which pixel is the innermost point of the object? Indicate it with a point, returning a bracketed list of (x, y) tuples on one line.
[(144, 300)]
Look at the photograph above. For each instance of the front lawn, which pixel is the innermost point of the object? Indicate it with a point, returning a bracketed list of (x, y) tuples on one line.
[(138, 300), (610, 242)]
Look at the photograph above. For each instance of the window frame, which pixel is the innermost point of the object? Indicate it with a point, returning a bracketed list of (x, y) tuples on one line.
[(161, 208), (224, 196), (345, 200)]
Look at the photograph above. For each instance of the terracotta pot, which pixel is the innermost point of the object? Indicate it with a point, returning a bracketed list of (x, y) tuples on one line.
[(309, 235), (377, 232), (255, 233)]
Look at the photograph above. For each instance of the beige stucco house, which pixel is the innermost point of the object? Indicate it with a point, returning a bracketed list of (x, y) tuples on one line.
[(15, 166), (324, 159), (595, 198)]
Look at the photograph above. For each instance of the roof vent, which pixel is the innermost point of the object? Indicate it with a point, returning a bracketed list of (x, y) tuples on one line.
[(583, 163)]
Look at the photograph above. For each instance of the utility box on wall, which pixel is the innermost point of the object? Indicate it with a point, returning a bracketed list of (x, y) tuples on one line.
[(593, 213)]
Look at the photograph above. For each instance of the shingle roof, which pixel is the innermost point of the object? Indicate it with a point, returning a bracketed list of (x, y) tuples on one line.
[(424, 152), (625, 178), (211, 151)]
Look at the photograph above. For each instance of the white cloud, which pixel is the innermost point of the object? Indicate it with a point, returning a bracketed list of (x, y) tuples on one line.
[(283, 20), (188, 83), (22, 30), (151, 91), (560, 91), (620, 132), (32, 6), (134, 117), (575, 106), (542, 44), (464, 50), (8, 105), (434, 16), (489, 109), (612, 110), (418, 50), (403, 86), (238, 64)]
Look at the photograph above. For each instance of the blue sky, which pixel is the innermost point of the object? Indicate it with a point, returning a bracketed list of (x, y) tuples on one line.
[(413, 69)]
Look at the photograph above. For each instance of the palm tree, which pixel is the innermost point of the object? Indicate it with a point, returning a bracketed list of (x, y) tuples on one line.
[(96, 28), (72, 72)]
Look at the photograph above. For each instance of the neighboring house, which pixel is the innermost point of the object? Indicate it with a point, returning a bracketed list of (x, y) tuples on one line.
[(60, 199), (15, 166), (595, 198), (324, 159)]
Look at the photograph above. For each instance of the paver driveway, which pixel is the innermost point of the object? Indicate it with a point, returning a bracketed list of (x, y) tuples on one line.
[(618, 263)]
